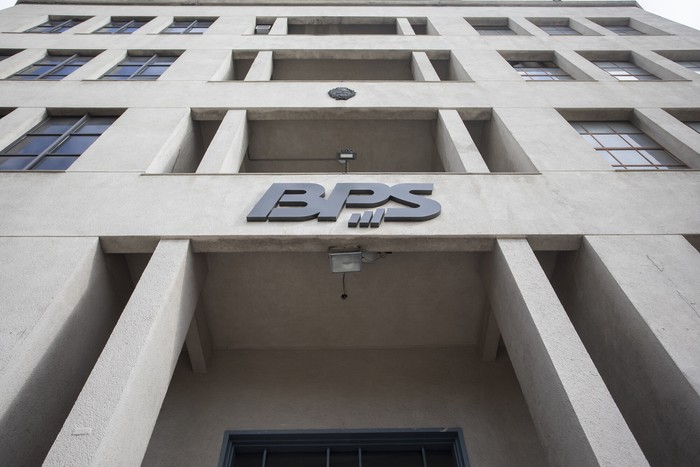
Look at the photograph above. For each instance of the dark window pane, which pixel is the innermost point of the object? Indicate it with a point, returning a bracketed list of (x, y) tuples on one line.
[(296, 459), (52, 77), (392, 458), (14, 163), (154, 70), (55, 163), (96, 125), (56, 125), (121, 70), (164, 60), (440, 458), (75, 145), (31, 145), (344, 458)]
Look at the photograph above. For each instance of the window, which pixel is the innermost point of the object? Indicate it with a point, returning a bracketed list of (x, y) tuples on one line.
[(494, 30), (54, 144), (692, 65), (53, 26), (381, 448), (122, 26), (624, 30), (694, 125), (627, 71), (625, 146), (52, 68), (560, 31), (540, 71), (188, 26), (141, 68)]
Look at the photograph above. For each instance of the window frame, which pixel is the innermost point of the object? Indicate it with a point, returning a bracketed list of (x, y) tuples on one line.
[(56, 28), (545, 66), (123, 29), (291, 441), (152, 61), (48, 151), (606, 150), (630, 66), (68, 60), (193, 23)]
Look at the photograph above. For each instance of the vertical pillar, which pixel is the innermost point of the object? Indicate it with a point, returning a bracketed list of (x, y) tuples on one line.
[(227, 150), (279, 27), (422, 68), (404, 28), (112, 420), (575, 416), (634, 299), (456, 146), (59, 305), (261, 69)]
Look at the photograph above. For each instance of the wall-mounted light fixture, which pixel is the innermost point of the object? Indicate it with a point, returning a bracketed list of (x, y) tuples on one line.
[(345, 260), (344, 157)]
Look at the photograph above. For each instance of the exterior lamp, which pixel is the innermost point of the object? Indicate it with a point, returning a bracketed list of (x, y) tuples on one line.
[(263, 29), (344, 156), (345, 261)]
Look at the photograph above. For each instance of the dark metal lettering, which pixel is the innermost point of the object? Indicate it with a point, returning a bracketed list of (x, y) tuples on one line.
[(421, 209), (353, 195)]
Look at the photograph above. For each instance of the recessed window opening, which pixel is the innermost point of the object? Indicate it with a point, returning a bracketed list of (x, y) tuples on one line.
[(55, 26), (540, 71), (625, 146), (692, 65), (122, 26), (491, 26), (555, 26), (341, 26), (626, 71), (140, 68), (694, 125), (52, 67), (311, 145), (379, 448), (332, 66), (419, 25), (620, 26), (55, 143), (188, 26)]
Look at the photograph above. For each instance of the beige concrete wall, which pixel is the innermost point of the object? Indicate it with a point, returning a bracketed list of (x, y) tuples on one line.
[(342, 389)]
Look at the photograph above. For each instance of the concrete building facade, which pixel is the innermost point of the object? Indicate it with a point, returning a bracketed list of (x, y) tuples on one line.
[(522, 194)]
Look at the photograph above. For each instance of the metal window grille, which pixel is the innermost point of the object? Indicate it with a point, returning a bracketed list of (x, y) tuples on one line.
[(540, 71), (54, 144), (560, 31), (627, 71), (52, 68), (53, 26), (625, 146), (694, 125), (494, 30), (141, 68), (126, 26), (692, 65), (379, 448), (624, 30), (195, 26)]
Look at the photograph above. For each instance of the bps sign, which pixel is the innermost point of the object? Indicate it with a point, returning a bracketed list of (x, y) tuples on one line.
[(305, 201)]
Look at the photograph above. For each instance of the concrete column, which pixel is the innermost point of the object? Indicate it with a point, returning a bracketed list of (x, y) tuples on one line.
[(19, 61), (97, 66), (125, 147), (653, 63), (112, 420), (422, 68), (198, 65), (156, 25), (452, 26), (18, 122), (456, 146), (233, 25), (279, 27), (261, 69), (577, 66), (523, 27), (597, 28), (681, 140), (634, 301), (573, 412), (52, 333), (228, 147), (89, 25), (532, 131), (404, 28), (484, 65)]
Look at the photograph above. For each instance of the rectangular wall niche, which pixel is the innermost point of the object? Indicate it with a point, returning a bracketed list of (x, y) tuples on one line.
[(310, 145), (328, 25)]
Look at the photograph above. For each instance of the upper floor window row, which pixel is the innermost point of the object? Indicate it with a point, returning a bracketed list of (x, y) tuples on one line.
[(52, 67), (126, 26), (503, 26)]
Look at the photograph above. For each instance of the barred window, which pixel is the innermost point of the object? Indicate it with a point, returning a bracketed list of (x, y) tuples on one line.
[(540, 71), (52, 68), (140, 68), (187, 26), (54, 144), (625, 146), (122, 26), (54, 26), (624, 30), (627, 71), (560, 31)]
